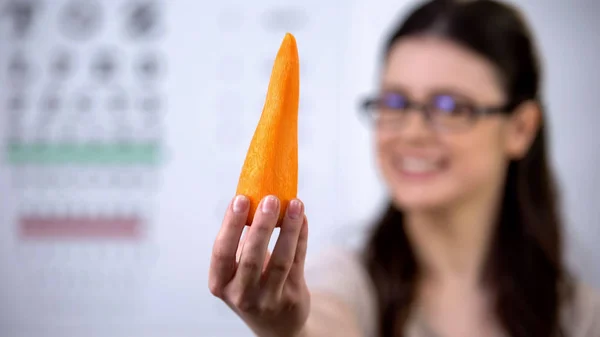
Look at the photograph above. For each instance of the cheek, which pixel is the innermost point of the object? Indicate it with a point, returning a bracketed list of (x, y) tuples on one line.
[(478, 163), (384, 149)]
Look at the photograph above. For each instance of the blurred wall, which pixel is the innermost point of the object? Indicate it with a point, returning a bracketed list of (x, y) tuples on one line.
[(125, 124)]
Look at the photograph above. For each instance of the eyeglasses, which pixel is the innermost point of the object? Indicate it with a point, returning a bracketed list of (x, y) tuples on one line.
[(442, 112)]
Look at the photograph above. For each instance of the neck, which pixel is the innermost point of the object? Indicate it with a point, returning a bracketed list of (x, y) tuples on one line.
[(452, 244)]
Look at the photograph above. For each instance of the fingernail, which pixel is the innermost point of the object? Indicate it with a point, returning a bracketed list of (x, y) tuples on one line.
[(240, 204), (295, 209), (270, 204)]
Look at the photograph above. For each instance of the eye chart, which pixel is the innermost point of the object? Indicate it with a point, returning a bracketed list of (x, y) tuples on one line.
[(124, 126), (83, 113)]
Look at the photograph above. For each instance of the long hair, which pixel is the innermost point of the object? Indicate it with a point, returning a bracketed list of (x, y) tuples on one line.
[(524, 267)]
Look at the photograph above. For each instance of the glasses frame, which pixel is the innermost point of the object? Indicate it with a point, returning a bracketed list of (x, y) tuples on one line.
[(477, 111)]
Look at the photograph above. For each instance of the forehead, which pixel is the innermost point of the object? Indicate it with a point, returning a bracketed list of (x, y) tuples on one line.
[(428, 64)]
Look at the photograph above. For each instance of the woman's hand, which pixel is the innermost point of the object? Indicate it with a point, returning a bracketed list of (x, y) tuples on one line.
[(267, 291)]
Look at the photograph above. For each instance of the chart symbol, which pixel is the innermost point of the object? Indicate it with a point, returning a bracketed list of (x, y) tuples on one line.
[(21, 13)]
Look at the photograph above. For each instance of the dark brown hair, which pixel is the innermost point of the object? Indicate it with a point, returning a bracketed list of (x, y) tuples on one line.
[(524, 267)]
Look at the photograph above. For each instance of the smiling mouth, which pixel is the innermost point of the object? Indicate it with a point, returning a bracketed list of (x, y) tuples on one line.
[(418, 166)]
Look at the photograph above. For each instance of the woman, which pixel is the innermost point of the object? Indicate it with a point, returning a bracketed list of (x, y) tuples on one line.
[(470, 244)]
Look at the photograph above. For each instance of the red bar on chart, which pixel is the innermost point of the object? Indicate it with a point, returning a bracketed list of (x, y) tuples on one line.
[(74, 227)]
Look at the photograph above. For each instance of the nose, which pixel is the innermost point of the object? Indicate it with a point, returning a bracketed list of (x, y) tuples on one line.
[(416, 126)]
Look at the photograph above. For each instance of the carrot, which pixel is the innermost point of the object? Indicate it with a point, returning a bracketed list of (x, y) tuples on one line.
[(271, 164)]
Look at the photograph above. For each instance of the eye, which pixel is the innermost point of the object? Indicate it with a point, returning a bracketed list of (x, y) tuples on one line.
[(393, 101), (445, 103), (448, 105)]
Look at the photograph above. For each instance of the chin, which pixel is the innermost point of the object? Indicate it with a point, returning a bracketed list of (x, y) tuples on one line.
[(417, 203), (431, 196)]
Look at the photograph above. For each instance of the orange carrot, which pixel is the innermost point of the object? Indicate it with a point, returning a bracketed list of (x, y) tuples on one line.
[(271, 165)]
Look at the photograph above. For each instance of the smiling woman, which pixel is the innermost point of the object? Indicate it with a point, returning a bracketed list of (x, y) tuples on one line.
[(470, 244)]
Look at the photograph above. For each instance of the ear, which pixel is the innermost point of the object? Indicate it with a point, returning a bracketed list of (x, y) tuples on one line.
[(522, 129)]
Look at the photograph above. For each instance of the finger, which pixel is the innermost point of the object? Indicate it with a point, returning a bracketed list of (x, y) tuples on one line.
[(253, 255), (284, 252), (240, 247), (222, 264), (267, 259), (296, 274)]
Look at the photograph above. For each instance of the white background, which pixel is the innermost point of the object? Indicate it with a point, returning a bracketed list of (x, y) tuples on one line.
[(218, 57)]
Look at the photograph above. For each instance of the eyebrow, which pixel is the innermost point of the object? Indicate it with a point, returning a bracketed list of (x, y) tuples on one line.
[(397, 88), (393, 87)]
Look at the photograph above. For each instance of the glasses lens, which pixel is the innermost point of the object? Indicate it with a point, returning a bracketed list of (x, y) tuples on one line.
[(448, 113), (393, 101), (387, 109)]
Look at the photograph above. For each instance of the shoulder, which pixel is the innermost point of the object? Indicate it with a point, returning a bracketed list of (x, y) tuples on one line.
[(340, 272), (581, 316)]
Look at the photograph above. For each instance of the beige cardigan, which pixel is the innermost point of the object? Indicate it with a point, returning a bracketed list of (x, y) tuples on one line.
[(339, 272)]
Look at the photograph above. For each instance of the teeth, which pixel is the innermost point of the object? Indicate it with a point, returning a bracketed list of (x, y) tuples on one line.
[(418, 165)]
